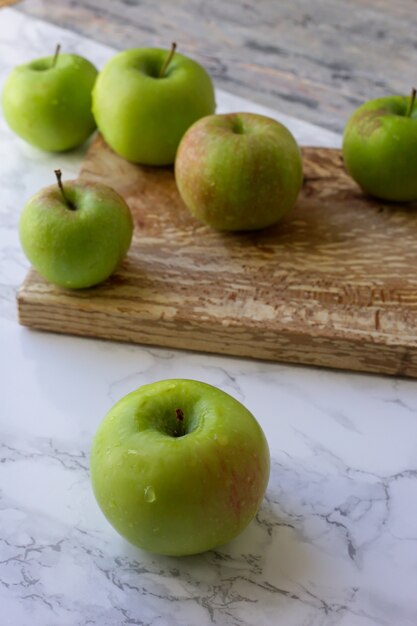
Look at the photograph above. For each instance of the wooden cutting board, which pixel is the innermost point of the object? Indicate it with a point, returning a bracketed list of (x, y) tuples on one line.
[(334, 284)]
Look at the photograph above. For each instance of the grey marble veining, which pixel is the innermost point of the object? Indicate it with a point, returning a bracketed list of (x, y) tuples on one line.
[(335, 542)]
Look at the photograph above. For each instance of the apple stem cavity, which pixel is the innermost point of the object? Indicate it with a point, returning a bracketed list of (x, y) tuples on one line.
[(412, 101), (67, 201), (168, 60), (57, 51)]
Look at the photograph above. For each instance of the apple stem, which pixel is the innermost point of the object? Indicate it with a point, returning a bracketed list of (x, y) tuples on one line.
[(68, 202), (57, 51), (179, 414), (168, 60), (412, 100)]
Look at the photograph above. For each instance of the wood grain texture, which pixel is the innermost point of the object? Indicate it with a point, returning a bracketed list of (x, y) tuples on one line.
[(334, 284), (315, 60)]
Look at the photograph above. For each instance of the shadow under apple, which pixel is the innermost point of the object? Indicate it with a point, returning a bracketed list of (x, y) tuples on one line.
[(243, 582)]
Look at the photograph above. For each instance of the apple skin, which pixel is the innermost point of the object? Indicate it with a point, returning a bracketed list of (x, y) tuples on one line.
[(50, 107), (179, 495), (143, 117), (380, 148), (238, 171), (76, 248)]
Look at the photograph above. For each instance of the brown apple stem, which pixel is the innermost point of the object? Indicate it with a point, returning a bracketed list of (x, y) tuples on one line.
[(68, 202), (412, 101), (179, 431), (57, 51), (168, 60)]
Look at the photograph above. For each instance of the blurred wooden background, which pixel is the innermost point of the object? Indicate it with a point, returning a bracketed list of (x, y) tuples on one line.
[(314, 59)]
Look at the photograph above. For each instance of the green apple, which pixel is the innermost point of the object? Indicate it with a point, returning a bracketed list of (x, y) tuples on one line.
[(47, 102), (145, 99), (179, 467), (380, 147), (238, 171), (75, 236)]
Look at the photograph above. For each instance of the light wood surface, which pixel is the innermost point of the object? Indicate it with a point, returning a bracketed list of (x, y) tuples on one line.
[(334, 284), (314, 60)]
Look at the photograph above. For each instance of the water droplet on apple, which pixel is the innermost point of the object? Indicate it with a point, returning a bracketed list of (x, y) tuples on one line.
[(149, 494), (133, 452)]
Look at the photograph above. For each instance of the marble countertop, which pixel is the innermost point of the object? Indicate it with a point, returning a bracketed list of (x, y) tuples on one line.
[(335, 542), (315, 60)]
